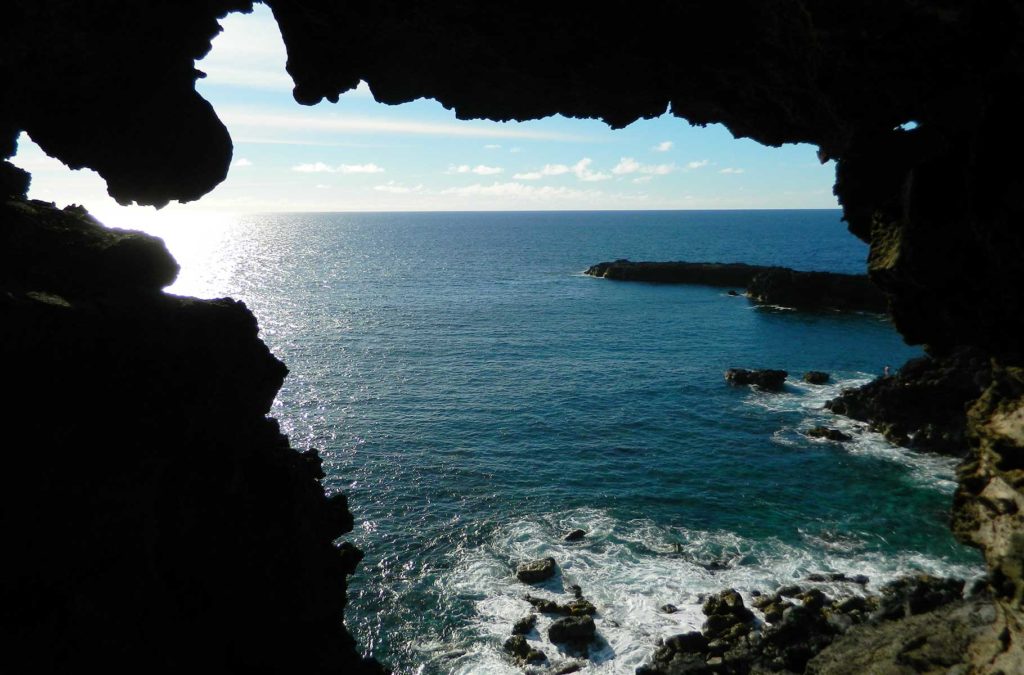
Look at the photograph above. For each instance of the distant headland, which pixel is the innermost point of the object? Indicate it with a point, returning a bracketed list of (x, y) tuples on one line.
[(767, 285)]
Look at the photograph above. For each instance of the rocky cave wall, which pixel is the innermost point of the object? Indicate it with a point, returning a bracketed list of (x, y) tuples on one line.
[(125, 470)]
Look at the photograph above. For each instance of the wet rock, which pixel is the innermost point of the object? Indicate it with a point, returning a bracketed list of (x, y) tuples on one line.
[(813, 599), (816, 377), (858, 579), (726, 615), (733, 293), (577, 592), (575, 535), (521, 650), (922, 406), (669, 608), (828, 434), (572, 629), (578, 607), (524, 625), (535, 571), (767, 379), (692, 642), (908, 596), (790, 591)]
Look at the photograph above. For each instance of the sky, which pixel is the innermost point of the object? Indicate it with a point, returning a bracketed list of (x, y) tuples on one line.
[(360, 155)]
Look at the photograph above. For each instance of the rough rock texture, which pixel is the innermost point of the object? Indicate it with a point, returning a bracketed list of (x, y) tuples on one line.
[(767, 379), (535, 571), (816, 290), (767, 285), (940, 642), (149, 505), (924, 405), (110, 86), (804, 630)]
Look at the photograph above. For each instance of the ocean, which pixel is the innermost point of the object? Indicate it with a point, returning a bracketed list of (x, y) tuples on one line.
[(476, 397)]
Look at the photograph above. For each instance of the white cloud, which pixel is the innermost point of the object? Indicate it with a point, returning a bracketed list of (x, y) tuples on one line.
[(580, 169), (697, 164), (320, 167), (479, 169), (731, 170), (492, 146), (242, 120), (391, 187), (628, 165), (643, 179), (241, 162), (519, 191), (664, 146)]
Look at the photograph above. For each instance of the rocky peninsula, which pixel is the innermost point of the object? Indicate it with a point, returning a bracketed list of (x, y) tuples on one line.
[(765, 285)]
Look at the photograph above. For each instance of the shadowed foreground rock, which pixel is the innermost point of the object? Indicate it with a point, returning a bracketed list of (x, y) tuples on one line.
[(157, 520), (766, 285)]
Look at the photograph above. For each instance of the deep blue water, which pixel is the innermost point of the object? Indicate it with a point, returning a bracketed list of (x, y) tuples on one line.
[(476, 397)]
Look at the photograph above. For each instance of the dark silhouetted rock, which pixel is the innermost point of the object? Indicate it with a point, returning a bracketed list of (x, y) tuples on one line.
[(575, 535), (816, 377), (669, 608), (524, 625), (816, 290), (828, 434), (535, 571), (924, 405), (572, 629), (908, 596), (768, 285), (769, 380), (522, 651)]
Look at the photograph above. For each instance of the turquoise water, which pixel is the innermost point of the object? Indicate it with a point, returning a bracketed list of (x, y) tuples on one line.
[(476, 397)]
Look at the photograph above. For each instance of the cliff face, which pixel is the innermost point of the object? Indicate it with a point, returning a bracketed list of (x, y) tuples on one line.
[(156, 519), (175, 390)]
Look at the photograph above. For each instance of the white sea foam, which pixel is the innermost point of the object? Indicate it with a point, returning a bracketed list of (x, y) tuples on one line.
[(929, 470), (629, 569)]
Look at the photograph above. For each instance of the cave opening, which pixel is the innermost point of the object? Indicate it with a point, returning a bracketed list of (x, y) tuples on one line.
[(478, 399)]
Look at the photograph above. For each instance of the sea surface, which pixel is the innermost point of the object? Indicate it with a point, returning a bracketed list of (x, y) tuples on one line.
[(477, 397)]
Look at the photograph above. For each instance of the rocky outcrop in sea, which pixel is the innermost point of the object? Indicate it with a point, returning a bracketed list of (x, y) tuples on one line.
[(923, 405), (765, 285)]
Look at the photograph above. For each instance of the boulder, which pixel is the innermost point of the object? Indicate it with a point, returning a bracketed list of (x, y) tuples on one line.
[(767, 379), (535, 571), (575, 535), (572, 629), (524, 625), (816, 377)]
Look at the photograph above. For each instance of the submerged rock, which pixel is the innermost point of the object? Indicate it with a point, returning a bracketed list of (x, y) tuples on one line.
[(535, 571), (769, 380)]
